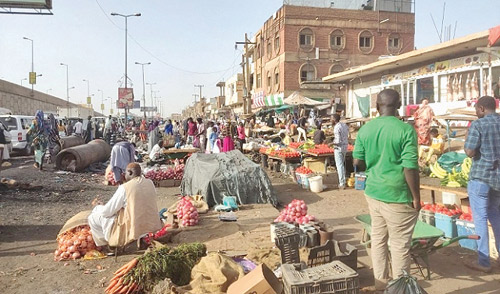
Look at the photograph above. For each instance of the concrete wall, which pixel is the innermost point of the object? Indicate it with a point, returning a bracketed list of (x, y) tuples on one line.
[(20, 100)]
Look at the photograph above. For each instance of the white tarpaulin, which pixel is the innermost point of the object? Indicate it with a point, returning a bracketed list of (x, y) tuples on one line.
[(298, 99)]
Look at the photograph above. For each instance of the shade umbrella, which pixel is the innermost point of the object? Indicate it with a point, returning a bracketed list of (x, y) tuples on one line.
[(296, 98)]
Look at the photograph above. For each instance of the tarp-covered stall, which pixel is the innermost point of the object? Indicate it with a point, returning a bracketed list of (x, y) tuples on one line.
[(230, 174)]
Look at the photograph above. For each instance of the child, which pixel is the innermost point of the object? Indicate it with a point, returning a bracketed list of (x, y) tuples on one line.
[(437, 147), (213, 138)]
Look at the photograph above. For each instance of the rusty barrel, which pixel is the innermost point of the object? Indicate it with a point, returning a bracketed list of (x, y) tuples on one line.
[(78, 158), (71, 141)]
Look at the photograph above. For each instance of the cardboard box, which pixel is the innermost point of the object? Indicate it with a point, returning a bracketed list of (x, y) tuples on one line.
[(259, 281), (465, 205)]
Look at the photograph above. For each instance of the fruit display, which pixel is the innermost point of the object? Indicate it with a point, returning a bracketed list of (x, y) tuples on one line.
[(187, 213), (321, 151), (443, 209), (454, 179), (263, 150), (466, 217), (74, 244), (295, 145), (287, 153), (175, 173), (304, 170), (295, 212), (309, 144)]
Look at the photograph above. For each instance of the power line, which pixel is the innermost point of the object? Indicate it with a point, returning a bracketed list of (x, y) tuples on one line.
[(159, 59)]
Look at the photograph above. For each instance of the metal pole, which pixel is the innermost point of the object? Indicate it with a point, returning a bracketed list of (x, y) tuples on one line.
[(143, 91), (32, 64), (126, 77)]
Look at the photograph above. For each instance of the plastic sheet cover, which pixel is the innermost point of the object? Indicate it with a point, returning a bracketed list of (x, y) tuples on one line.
[(227, 174)]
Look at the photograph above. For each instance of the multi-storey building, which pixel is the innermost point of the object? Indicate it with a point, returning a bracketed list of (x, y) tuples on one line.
[(299, 45)]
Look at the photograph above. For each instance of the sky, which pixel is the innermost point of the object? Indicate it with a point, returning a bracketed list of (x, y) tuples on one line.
[(188, 42)]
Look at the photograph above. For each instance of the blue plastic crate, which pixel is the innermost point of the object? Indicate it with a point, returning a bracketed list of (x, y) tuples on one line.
[(466, 228), (447, 224)]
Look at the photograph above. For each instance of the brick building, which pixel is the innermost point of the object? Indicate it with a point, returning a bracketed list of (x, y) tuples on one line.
[(303, 44)]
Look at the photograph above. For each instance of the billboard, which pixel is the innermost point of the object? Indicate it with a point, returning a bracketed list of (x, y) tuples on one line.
[(125, 97), (33, 4)]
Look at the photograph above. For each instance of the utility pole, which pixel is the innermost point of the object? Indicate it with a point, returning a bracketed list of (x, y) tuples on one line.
[(246, 74), (143, 86), (199, 86), (151, 85)]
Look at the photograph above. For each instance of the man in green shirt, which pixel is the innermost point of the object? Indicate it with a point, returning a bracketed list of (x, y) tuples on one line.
[(387, 147)]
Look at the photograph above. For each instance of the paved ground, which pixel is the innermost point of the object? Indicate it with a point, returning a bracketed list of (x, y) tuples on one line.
[(30, 221)]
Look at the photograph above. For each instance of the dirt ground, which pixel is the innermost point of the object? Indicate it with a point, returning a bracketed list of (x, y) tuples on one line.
[(31, 219)]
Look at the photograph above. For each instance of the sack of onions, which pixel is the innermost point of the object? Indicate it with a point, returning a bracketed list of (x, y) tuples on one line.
[(187, 213), (74, 244)]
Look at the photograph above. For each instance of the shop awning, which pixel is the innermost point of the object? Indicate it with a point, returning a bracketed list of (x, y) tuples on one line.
[(296, 98), (269, 100)]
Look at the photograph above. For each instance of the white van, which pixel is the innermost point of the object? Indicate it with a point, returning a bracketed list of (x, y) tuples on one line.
[(18, 126)]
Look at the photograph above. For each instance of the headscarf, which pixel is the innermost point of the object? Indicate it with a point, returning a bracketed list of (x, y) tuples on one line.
[(39, 119)]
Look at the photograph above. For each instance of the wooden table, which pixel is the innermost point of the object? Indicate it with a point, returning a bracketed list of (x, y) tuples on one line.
[(322, 156)]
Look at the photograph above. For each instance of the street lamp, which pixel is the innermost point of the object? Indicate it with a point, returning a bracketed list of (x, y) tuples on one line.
[(102, 99), (23, 81), (32, 63), (110, 105), (143, 86), (67, 83), (126, 35)]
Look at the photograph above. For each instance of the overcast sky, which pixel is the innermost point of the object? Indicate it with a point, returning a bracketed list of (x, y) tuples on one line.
[(187, 42)]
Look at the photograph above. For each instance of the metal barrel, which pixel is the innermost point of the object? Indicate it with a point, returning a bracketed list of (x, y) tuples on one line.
[(78, 158)]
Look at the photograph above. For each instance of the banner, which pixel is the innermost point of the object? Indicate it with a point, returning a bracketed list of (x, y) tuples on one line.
[(149, 108), (125, 97), (102, 106), (89, 100), (32, 78)]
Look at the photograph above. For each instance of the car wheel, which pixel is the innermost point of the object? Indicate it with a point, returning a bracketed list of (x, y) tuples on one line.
[(28, 150)]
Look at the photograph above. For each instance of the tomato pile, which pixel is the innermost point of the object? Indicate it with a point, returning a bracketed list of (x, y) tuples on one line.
[(439, 208), (187, 213), (295, 145), (74, 243), (175, 173), (350, 147), (296, 211), (304, 170), (287, 154), (466, 217), (321, 149), (263, 150)]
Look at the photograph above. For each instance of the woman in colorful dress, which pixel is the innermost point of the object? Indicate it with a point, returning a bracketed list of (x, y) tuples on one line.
[(423, 120), (38, 132)]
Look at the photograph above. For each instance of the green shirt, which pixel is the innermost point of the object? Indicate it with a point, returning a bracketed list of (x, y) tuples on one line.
[(387, 145)]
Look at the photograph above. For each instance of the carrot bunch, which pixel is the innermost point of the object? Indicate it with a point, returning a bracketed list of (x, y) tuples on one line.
[(118, 285)]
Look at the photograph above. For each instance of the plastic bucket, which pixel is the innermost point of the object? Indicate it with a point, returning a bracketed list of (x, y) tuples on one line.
[(316, 184)]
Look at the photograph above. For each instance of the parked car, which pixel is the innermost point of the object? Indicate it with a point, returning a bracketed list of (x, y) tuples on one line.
[(18, 126)]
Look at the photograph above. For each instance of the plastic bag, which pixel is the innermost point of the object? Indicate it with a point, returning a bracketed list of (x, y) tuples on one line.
[(451, 160), (406, 284)]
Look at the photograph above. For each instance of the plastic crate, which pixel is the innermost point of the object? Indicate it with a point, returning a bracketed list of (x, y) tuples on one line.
[(447, 224), (332, 278), (359, 181), (427, 217), (466, 228), (346, 253), (288, 240)]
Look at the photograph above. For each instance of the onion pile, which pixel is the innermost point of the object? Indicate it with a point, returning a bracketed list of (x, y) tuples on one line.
[(296, 211), (111, 179), (166, 174), (187, 213), (74, 244)]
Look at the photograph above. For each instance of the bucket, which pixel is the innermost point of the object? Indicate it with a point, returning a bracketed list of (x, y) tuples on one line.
[(359, 181), (316, 184)]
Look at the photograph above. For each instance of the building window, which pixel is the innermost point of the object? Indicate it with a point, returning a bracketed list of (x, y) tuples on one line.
[(269, 82), (366, 41), (336, 68), (394, 43), (277, 79), (307, 73), (269, 48), (259, 82), (337, 40), (277, 43), (306, 39), (257, 52)]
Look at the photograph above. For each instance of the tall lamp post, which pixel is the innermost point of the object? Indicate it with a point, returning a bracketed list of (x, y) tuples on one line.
[(32, 74), (126, 36), (22, 80), (143, 86), (110, 105), (88, 90), (102, 100), (67, 84)]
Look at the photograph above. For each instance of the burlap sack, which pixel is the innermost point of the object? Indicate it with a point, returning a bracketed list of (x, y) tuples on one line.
[(213, 274), (80, 219)]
